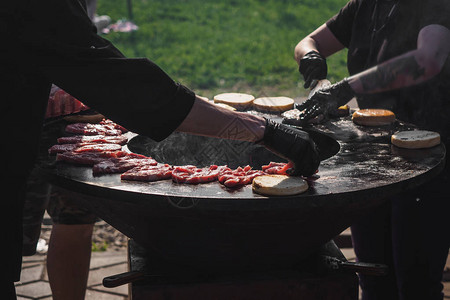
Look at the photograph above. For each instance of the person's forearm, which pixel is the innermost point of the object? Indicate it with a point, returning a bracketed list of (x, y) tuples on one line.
[(211, 120), (403, 71), (304, 46), (411, 68)]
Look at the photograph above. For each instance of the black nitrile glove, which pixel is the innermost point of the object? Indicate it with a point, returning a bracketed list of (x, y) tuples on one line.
[(313, 66), (292, 144), (326, 101)]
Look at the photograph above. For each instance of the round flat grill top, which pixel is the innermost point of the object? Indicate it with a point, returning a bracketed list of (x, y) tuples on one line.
[(358, 160), (209, 227)]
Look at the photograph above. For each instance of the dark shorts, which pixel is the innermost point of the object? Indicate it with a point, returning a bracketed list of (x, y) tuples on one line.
[(63, 209), (40, 196)]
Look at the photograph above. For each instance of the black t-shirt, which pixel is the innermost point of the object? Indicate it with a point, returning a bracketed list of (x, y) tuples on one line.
[(375, 31)]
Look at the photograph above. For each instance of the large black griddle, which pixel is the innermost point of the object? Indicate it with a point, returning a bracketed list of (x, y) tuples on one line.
[(211, 227)]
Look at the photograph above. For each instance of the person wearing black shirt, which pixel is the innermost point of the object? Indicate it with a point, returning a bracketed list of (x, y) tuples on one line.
[(398, 60), (54, 41)]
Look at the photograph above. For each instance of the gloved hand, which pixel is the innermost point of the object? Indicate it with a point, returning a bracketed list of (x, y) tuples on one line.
[(313, 66), (326, 101), (292, 144)]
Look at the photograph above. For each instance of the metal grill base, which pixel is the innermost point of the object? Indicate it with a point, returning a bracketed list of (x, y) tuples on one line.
[(309, 281)]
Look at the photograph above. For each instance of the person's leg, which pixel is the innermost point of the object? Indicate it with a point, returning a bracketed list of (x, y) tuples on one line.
[(68, 259), (371, 237), (70, 245)]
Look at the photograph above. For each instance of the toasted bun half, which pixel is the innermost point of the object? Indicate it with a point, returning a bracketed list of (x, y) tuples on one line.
[(416, 139), (279, 185), (226, 106), (273, 104), (236, 100), (373, 117)]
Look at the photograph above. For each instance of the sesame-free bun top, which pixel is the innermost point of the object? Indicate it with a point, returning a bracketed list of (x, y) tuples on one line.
[(236, 100), (373, 117), (279, 185), (416, 139), (273, 104)]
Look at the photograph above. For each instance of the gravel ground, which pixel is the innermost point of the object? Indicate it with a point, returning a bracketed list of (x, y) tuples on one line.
[(104, 238), (106, 235)]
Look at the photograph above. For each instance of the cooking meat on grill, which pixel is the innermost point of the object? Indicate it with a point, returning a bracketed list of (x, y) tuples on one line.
[(76, 139), (194, 175), (83, 147), (62, 148), (122, 164), (115, 125), (98, 148), (93, 129), (102, 152), (238, 177), (88, 158), (277, 168), (148, 173)]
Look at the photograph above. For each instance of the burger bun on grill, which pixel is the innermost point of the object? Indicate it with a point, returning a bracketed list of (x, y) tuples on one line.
[(373, 117), (279, 185), (236, 100), (273, 104), (416, 139)]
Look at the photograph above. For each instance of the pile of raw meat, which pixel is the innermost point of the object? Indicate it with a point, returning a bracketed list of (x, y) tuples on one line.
[(61, 103), (100, 146)]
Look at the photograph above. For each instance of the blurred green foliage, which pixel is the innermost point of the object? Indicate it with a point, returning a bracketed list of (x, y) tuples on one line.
[(220, 45)]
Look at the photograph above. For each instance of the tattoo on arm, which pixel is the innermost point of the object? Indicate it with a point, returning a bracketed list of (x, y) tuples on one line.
[(384, 75)]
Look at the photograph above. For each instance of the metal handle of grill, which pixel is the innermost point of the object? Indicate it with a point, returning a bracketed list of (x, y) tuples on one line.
[(359, 267), (365, 268), (122, 278)]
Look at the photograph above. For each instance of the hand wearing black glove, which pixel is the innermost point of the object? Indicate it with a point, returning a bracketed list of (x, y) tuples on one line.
[(326, 101), (313, 66), (294, 145)]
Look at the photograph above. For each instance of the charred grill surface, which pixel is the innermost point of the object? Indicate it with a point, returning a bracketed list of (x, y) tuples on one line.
[(211, 227)]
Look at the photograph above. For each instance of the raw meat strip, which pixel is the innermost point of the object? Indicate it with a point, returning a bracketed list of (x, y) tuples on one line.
[(98, 148), (93, 129), (148, 173), (61, 148), (122, 164), (83, 147), (119, 139), (194, 175), (238, 177), (277, 168), (88, 158), (115, 125)]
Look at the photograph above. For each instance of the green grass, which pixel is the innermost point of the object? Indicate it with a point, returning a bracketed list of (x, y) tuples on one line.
[(225, 45), (99, 247)]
